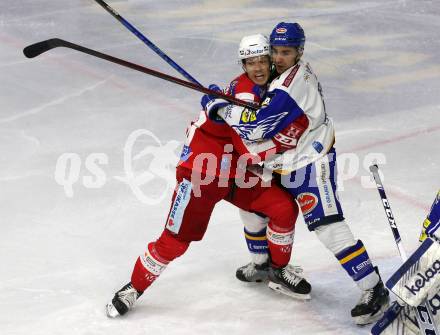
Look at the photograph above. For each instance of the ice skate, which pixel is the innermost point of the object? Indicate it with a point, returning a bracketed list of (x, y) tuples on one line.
[(123, 301), (252, 272), (371, 305), (289, 281)]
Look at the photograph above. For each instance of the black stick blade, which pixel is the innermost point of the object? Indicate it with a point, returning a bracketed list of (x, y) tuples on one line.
[(37, 49)]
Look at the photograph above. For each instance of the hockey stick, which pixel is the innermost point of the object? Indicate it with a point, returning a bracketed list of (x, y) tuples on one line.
[(36, 49), (150, 44), (423, 313), (374, 169)]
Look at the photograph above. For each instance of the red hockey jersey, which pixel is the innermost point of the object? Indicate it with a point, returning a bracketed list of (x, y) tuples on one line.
[(212, 147)]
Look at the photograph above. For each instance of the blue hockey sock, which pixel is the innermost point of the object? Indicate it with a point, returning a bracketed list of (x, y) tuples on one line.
[(256, 241), (355, 261)]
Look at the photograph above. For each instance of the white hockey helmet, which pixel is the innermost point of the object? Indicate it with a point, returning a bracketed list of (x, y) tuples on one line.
[(253, 46)]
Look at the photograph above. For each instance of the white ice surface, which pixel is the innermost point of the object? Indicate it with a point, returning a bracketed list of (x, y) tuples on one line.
[(62, 258)]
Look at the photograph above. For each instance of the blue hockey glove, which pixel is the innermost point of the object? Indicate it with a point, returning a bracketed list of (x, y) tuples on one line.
[(207, 97), (211, 104), (432, 223)]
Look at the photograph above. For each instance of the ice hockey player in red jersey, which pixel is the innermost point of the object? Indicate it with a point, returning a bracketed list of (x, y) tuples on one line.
[(210, 170)]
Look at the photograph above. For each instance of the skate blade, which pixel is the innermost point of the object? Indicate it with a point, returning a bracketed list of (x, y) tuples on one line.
[(367, 319), (281, 289), (257, 280), (111, 311)]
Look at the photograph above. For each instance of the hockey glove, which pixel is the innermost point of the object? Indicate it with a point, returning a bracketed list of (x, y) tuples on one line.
[(211, 104), (432, 222)]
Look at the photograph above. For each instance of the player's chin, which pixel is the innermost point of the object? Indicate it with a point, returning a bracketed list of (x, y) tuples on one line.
[(280, 69), (260, 79)]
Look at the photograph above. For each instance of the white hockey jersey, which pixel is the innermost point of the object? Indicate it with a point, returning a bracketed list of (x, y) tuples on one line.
[(292, 95)]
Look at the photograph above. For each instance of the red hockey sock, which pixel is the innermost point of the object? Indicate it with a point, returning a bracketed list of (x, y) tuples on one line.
[(155, 259), (147, 268), (280, 245)]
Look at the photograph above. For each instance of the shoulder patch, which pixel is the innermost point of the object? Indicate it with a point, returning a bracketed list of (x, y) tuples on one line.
[(291, 75)]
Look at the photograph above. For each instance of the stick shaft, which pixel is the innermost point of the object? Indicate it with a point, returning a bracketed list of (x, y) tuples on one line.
[(40, 47), (144, 39), (386, 205)]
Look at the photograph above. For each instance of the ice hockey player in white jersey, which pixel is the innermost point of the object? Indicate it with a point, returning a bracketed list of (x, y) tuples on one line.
[(293, 122)]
